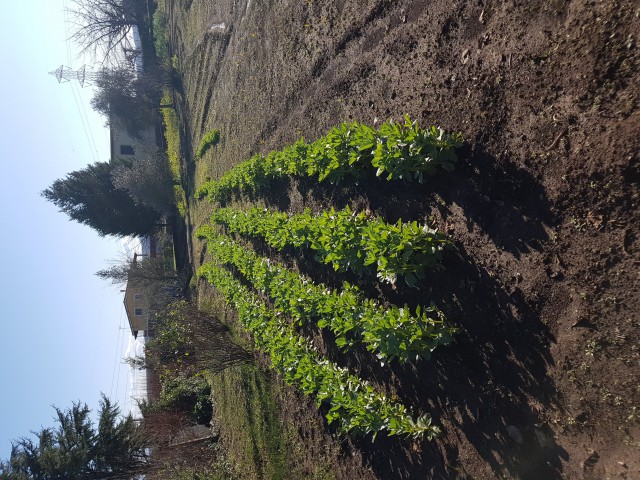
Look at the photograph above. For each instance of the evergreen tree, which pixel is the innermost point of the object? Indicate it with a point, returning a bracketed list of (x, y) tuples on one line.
[(88, 196), (74, 450)]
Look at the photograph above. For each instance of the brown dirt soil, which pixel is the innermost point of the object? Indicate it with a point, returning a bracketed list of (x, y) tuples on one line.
[(543, 380)]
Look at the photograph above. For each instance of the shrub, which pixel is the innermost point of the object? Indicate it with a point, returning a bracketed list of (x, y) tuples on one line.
[(188, 394), (160, 34), (211, 139)]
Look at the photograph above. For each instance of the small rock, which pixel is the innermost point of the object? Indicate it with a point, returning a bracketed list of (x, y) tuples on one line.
[(515, 434)]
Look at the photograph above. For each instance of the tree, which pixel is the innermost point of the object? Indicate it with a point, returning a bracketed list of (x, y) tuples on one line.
[(88, 196), (190, 341), (147, 272), (102, 25), (130, 99), (148, 181), (116, 97), (74, 449)]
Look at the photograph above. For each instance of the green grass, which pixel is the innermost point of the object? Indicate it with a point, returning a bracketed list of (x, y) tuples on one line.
[(210, 139), (246, 411), (258, 438), (172, 135)]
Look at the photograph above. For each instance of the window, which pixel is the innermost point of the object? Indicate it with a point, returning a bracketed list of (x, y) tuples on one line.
[(137, 312), (127, 150), (137, 296)]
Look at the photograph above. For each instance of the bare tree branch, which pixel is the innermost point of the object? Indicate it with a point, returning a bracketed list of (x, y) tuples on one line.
[(102, 25)]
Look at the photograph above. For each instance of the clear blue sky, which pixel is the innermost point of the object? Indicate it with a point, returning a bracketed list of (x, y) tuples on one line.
[(59, 323)]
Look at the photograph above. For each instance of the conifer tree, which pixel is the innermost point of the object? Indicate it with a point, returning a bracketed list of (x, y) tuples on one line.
[(88, 196), (75, 450)]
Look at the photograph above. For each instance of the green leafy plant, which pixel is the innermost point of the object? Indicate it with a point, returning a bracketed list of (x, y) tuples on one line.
[(210, 139), (405, 151), (389, 333), (345, 240), (188, 394), (353, 403), (402, 151)]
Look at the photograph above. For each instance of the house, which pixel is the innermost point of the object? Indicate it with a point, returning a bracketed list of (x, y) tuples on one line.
[(137, 302), (124, 145), (151, 283)]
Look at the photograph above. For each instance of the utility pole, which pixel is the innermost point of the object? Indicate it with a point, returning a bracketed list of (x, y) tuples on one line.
[(66, 74)]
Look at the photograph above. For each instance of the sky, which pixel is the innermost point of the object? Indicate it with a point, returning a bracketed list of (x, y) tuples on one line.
[(63, 331)]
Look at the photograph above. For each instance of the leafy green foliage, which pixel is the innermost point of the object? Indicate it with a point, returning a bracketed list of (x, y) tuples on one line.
[(189, 394), (389, 333), (210, 139), (89, 196), (403, 151), (353, 403), (75, 449), (345, 240)]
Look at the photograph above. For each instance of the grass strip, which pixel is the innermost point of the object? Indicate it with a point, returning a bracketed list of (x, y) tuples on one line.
[(172, 135)]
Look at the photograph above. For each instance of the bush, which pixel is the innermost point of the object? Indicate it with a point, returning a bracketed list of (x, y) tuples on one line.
[(160, 35), (190, 395)]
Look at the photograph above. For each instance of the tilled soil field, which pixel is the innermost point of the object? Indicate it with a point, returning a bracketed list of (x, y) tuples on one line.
[(543, 379)]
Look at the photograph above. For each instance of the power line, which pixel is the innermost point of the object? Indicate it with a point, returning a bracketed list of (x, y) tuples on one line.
[(92, 142), (77, 97), (115, 360)]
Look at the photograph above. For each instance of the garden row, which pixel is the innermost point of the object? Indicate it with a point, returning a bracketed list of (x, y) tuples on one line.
[(388, 332), (396, 150), (349, 242), (353, 403), (344, 239)]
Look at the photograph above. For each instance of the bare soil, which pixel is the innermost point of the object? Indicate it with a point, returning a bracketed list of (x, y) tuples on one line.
[(543, 380)]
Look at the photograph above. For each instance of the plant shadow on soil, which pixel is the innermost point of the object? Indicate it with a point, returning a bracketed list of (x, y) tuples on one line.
[(493, 376)]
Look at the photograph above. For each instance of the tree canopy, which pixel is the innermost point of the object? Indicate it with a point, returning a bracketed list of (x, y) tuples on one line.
[(148, 181), (76, 450), (102, 25), (128, 98), (88, 196)]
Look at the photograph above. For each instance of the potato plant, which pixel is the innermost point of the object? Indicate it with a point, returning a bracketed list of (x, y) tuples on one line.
[(389, 333), (405, 151), (345, 240), (400, 151), (354, 405)]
